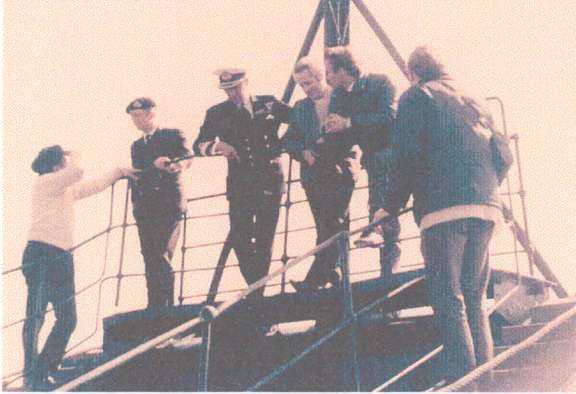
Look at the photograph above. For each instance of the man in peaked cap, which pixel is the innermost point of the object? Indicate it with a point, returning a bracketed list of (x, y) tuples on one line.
[(244, 129), (158, 197)]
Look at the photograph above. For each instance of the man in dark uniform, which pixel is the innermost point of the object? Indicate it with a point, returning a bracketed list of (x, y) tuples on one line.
[(158, 198), (244, 130), (368, 116)]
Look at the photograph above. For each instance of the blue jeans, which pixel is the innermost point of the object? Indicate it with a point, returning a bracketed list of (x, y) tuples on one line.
[(49, 273), (457, 273)]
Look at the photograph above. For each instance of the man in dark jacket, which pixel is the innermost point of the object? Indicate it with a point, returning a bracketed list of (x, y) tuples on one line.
[(325, 168), (244, 129), (443, 159), (158, 197), (367, 115)]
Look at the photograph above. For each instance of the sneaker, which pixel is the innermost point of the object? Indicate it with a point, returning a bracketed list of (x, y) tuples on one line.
[(372, 240)]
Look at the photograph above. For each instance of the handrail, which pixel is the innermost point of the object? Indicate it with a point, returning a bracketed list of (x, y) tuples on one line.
[(285, 258), (499, 359), (433, 353), (438, 349), (226, 305)]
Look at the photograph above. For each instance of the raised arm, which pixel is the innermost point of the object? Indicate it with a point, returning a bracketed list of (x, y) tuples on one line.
[(90, 187)]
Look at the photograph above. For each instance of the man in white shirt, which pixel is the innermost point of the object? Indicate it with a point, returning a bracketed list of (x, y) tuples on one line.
[(47, 265), (326, 168)]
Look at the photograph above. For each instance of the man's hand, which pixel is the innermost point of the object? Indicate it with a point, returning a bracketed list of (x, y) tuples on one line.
[(336, 123), (380, 214), (226, 150), (162, 163), (127, 172), (309, 157)]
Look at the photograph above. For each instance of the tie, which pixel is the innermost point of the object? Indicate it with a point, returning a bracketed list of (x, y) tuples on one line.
[(147, 139)]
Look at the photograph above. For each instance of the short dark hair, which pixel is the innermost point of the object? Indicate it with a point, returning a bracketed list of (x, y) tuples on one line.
[(425, 65), (342, 58), (47, 159)]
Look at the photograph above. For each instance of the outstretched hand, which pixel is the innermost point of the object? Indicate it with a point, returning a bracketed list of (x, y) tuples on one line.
[(129, 172)]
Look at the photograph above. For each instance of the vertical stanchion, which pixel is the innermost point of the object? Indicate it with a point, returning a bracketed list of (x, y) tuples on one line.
[(122, 245), (207, 315), (183, 253), (287, 206), (343, 246), (522, 194), (510, 217)]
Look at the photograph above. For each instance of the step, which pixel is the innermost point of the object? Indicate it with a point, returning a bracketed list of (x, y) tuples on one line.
[(511, 335), (558, 351), (522, 379), (549, 311)]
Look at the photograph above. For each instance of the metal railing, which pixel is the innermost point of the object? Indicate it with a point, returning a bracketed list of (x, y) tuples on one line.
[(120, 275), (502, 357), (209, 314)]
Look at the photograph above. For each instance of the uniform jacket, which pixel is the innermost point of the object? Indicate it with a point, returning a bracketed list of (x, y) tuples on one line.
[(369, 107), (255, 139), (442, 151), (303, 133), (157, 192)]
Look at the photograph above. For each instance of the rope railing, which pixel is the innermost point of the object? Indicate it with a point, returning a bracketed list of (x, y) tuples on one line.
[(284, 259)]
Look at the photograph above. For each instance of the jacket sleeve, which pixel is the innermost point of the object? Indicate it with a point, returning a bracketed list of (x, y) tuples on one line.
[(87, 188), (204, 144), (383, 115), (179, 146), (408, 139), (293, 141), (282, 111)]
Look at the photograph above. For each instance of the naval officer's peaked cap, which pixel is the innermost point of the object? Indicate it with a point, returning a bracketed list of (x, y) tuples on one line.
[(140, 103), (230, 77)]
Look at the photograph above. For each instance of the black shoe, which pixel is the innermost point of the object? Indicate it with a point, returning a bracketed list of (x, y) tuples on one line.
[(334, 280), (303, 286)]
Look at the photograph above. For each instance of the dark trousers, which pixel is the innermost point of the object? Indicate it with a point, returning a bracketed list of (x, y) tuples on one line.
[(158, 239), (377, 165), (49, 273), (253, 219), (457, 273), (329, 200)]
